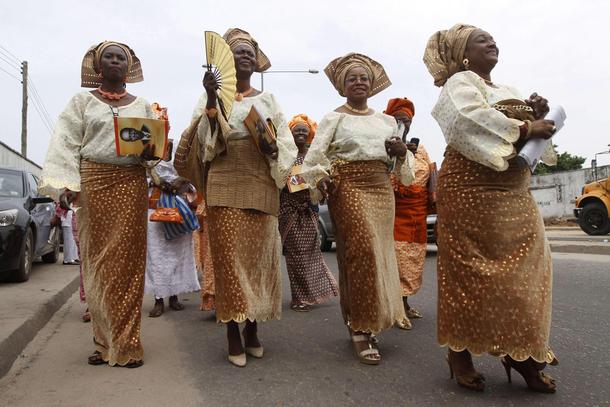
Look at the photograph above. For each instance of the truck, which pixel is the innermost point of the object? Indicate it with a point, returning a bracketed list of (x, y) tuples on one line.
[(593, 207)]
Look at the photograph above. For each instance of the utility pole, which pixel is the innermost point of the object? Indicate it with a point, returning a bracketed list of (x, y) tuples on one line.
[(24, 109)]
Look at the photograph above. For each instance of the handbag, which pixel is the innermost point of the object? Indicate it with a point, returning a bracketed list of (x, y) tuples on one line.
[(189, 219), (167, 215)]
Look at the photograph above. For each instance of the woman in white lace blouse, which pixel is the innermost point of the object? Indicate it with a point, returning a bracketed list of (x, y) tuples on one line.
[(112, 194), (494, 264), (350, 161)]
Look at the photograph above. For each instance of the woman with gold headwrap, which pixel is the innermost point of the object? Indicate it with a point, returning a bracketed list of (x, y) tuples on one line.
[(243, 199), (349, 161), (410, 237), (494, 264), (112, 194), (311, 281)]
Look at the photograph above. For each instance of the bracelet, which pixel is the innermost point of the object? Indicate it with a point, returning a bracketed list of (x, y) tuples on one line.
[(211, 113)]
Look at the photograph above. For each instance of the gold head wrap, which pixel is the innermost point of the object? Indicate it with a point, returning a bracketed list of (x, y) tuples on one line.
[(445, 52), (304, 119), (236, 36), (338, 68), (89, 73)]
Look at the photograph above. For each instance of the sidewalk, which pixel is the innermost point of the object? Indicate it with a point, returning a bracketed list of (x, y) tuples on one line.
[(566, 239), (26, 307)]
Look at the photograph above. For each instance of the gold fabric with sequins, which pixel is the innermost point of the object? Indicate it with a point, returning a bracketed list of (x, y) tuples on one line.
[(362, 210), (112, 232), (494, 263), (245, 248)]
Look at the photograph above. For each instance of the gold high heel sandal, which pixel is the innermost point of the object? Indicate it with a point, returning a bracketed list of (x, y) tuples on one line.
[(472, 381), (535, 378)]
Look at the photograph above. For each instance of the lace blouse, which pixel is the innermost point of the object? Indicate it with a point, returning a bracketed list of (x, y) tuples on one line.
[(85, 130), (342, 136), (473, 127)]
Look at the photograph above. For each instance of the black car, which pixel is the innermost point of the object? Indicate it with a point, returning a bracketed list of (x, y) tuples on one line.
[(25, 224), (326, 234)]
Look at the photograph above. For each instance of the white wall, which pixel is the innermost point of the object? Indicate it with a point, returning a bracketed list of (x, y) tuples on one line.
[(10, 158), (556, 193)]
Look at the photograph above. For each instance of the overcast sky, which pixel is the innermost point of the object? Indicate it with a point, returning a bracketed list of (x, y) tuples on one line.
[(558, 48)]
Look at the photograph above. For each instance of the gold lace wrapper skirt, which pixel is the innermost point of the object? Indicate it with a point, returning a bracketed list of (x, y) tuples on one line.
[(411, 258), (245, 248), (205, 268), (494, 264), (362, 211), (112, 231)]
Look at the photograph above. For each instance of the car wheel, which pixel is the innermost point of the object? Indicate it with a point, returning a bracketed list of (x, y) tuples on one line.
[(27, 257), (325, 244), (593, 219), (54, 255)]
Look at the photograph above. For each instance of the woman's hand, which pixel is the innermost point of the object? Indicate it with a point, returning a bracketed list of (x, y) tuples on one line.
[(326, 188), (539, 104), (395, 147), (68, 197), (211, 86), (148, 153), (270, 150), (543, 129)]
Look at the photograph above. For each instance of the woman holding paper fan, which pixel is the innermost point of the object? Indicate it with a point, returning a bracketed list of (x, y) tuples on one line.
[(494, 264), (242, 196), (349, 161), (112, 192), (311, 281)]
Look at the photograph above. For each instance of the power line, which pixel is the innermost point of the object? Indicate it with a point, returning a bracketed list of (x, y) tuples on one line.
[(9, 54), (9, 74), (9, 62), (37, 96)]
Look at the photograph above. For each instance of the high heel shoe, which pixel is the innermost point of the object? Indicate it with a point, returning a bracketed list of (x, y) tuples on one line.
[(472, 381), (535, 379), (238, 360)]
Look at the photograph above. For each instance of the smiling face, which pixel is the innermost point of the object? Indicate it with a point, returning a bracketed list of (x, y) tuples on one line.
[(357, 85), (245, 60), (300, 133), (481, 51), (113, 64)]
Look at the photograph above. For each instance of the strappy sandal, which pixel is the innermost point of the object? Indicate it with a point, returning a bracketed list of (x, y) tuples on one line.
[(369, 356), (413, 313), (132, 364), (534, 377), (96, 359), (472, 381), (300, 307)]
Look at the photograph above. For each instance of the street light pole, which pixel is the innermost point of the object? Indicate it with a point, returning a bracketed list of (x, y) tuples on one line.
[(312, 71), (595, 161)]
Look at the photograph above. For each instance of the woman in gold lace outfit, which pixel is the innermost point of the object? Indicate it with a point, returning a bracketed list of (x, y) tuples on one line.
[(243, 197), (350, 161), (112, 195), (494, 264)]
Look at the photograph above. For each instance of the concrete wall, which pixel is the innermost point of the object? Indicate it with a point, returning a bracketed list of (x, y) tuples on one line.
[(12, 159), (556, 193)]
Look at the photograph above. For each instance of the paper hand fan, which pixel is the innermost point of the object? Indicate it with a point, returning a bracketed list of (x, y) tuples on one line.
[(219, 61)]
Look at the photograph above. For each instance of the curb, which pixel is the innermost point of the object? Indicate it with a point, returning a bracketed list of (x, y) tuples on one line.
[(15, 343), (580, 249)]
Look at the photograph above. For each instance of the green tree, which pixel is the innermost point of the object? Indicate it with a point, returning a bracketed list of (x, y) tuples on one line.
[(565, 162)]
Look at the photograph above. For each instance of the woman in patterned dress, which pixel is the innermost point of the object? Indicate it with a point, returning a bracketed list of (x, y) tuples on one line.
[(311, 281)]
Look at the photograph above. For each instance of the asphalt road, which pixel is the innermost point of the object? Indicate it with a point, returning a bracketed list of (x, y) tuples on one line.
[(309, 361)]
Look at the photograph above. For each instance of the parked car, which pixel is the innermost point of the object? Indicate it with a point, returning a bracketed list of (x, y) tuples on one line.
[(25, 224), (326, 234), (593, 208), (431, 228)]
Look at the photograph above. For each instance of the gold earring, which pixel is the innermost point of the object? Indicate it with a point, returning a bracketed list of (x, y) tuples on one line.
[(466, 64)]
